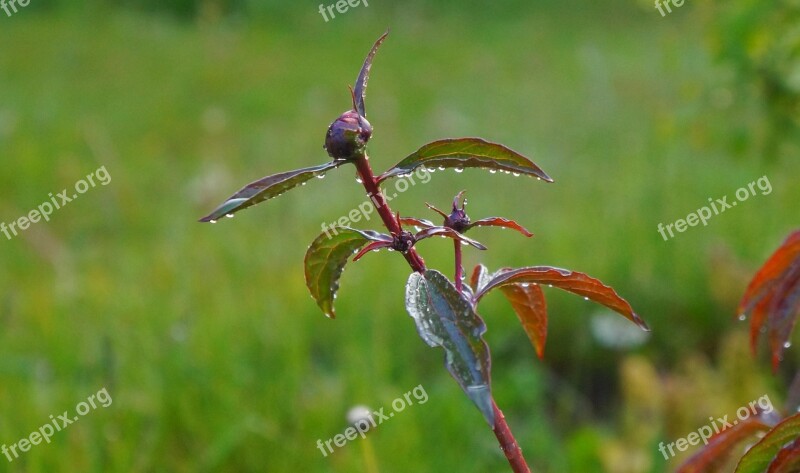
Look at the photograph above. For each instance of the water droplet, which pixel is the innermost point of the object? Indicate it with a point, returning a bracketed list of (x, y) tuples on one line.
[(229, 215), (459, 169), (549, 285), (464, 243), (376, 250), (742, 317), (358, 180), (516, 174), (492, 171), (391, 249), (430, 169), (441, 168), (321, 176), (586, 298), (303, 183), (212, 221), (525, 284), (538, 178), (507, 172), (787, 345)]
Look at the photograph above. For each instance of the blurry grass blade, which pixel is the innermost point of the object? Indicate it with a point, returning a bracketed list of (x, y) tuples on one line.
[(500, 222), (466, 153), (531, 309), (360, 93), (760, 455), (723, 446), (572, 281), (445, 318), (787, 460), (267, 188), (325, 260)]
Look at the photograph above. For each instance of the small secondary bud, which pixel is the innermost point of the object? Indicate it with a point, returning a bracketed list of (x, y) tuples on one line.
[(347, 137)]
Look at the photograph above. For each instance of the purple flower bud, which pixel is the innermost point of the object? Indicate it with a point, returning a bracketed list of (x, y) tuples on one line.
[(347, 137)]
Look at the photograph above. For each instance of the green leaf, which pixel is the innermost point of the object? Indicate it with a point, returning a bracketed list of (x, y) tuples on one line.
[(325, 261), (760, 455), (267, 188), (445, 318), (360, 93), (466, 153)]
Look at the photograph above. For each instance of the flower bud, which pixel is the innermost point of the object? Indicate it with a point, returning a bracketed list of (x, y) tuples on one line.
[(347, 137)]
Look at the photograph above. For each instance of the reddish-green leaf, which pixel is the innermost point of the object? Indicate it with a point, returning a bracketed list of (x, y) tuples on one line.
[(773, 297), (575, 282), (374, 246), (267, 188), (787, 460), (466, 153), (445, 318), (529, 304), (760, 455), (416, 222), (360, 92), (479, 278), (325, 261), (722, 447), (500, 222), (448, 233)]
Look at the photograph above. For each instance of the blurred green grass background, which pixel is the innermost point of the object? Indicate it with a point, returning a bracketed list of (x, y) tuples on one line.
[(215, 356)]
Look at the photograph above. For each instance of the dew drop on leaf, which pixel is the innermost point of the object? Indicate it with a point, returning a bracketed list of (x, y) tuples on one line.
[(358, 180), (459, 169), (321, 176), (212, 221), (787, 345), (742, 317), (516, 174), (492, 171)]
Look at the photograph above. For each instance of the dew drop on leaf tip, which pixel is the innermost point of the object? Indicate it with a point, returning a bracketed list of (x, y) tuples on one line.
[(742, 317)]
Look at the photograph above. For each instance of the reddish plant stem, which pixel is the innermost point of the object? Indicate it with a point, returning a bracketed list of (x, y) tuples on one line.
[(379, 200), (501, 429), (508, 443), (459, 267)]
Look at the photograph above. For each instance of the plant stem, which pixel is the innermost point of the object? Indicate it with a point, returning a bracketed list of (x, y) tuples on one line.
[(508, 444), (459, 267), (374, 192), (501, 429)]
